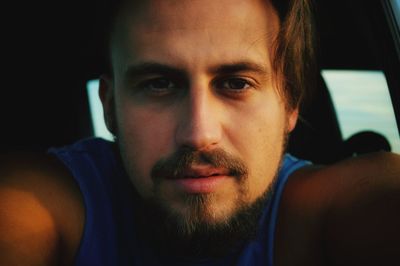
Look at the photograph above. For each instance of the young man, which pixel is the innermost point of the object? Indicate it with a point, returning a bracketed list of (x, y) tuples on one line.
[(201, 99)]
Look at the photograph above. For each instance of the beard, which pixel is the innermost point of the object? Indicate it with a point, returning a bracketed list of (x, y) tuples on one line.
[(192, 237), (195, 233)]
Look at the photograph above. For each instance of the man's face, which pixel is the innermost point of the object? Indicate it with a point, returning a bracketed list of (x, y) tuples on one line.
[(194, 78)]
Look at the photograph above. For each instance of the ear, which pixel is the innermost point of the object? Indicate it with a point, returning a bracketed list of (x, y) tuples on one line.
[(293, 115), (106, 93)]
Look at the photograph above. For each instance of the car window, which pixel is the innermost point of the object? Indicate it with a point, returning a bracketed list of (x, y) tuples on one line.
[(362, 102), (396, 10), (96, 110)]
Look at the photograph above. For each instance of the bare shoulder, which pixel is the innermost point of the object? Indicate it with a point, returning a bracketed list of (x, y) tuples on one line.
[(347, 212), (41, 211)]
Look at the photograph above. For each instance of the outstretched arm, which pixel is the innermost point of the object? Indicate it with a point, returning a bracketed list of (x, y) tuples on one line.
[(363, 221), (41, 215), (344, 214)]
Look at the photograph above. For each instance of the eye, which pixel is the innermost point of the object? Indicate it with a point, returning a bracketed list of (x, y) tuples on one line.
[(157, 86), (233, 84)]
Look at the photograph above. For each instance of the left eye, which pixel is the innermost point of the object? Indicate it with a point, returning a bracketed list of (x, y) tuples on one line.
[(234, 84), (158, 86)]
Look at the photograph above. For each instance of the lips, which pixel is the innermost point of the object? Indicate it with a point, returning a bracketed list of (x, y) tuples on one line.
[(188, 164), (189, 171), (200, 180), (203, 172)]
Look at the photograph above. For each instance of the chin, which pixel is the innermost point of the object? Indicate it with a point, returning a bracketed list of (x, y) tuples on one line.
[(200, 223), (200, 210)]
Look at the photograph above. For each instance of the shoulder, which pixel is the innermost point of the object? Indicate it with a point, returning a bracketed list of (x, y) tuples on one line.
[(41, 211), (348, 211)]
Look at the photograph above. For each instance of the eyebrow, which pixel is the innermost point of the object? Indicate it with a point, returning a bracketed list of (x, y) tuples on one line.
[(151, 68), (242, 66)]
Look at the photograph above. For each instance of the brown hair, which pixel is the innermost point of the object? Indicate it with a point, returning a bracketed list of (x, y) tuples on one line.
[(294, 59)]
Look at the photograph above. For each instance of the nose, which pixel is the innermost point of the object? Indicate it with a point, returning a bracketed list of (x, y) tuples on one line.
[(199, 127)]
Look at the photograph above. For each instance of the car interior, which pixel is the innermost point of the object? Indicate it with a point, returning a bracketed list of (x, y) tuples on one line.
[(52, 49)]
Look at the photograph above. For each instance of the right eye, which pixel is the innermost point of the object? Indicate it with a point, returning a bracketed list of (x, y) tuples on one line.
[(157, 86)]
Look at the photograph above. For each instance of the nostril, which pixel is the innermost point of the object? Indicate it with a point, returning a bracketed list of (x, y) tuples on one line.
[(198, 138)]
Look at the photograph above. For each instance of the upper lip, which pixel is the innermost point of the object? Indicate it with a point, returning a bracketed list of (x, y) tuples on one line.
[(203, 171)]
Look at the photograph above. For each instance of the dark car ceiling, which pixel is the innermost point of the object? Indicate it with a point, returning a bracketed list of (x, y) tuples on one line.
[(53, 48)]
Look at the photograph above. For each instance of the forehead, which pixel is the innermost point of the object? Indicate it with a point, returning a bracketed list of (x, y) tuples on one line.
[(161, 14), (195, 29)]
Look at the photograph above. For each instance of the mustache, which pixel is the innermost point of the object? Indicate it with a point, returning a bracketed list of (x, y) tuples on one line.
[(174, 166)]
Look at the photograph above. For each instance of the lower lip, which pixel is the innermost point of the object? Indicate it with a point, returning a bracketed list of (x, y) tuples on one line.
[(200, 185)]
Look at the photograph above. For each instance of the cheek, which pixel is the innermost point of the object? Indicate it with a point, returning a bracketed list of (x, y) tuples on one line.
[(143, 139), (258, 138)]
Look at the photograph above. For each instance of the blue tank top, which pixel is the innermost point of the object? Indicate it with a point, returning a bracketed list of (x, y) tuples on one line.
[(109, 237)]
